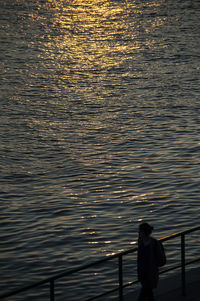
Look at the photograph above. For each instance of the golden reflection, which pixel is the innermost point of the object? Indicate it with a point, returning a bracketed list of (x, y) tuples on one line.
[(93, 242), (89, 44), (133, 243), (93, 35)]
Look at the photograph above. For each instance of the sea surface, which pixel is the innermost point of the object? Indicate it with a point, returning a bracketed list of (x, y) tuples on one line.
[(99, 131)]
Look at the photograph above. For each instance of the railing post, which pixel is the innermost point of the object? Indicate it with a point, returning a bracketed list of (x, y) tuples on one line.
[(120, 279), (52, 290), (183, 264)]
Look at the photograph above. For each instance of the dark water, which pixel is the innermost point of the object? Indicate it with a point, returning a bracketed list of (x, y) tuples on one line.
[(99, 129)]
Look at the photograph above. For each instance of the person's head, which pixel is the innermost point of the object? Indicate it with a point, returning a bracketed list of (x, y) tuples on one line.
[(145, 229)]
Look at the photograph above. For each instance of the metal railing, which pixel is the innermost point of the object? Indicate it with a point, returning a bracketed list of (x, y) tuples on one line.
[(119, 256)]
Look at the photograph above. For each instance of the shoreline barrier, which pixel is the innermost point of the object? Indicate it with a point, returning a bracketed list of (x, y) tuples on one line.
[(119, 256)]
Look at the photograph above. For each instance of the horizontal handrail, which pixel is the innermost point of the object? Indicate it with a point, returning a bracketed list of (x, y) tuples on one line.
[(172, 236), (86, 266)]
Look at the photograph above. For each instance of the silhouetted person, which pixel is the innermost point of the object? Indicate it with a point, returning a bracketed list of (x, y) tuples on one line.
[(150, 256)]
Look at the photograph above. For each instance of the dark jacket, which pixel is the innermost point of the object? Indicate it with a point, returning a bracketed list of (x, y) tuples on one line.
[(147, 265)]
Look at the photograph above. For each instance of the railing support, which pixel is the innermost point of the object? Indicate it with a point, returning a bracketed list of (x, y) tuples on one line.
[(51, 290), (183, 264), (51, 279), (120, 279)]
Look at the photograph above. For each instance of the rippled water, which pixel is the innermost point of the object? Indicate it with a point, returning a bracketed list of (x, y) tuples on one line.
[(99, 128)]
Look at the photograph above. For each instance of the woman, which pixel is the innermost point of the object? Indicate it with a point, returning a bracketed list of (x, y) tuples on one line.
[(149, 255)]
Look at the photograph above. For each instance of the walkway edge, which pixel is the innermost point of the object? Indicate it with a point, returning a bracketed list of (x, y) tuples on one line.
[(169, 288)]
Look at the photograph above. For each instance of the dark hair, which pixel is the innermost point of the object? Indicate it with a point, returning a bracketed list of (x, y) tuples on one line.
[(146, 228)]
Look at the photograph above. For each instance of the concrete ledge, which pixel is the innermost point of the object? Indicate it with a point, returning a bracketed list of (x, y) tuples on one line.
[(169, 288)]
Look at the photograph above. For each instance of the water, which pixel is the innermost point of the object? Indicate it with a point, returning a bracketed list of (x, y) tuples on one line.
[(99, 129)]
